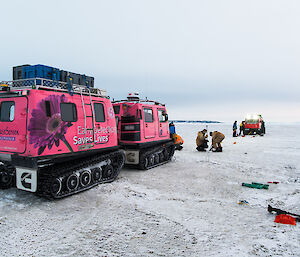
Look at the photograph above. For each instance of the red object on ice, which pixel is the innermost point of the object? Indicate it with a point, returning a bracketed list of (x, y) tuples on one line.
[(273, 182), (285, 219)]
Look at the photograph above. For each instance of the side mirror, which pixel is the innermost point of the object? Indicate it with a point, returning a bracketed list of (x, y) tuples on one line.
[(167, 117)]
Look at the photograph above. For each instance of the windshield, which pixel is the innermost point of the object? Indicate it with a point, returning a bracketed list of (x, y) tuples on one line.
[(252, 118), (252, 121)]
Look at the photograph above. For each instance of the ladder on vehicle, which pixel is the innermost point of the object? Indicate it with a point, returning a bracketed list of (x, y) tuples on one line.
[(88, 144)]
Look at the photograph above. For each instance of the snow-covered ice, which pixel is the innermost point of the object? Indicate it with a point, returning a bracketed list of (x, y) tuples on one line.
[(188, 207)]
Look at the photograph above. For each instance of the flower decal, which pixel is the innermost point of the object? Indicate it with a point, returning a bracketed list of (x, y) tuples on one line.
[(46, 127)]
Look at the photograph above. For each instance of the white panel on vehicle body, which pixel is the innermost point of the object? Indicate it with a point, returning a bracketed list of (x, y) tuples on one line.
[(132, 157), (26, 179)]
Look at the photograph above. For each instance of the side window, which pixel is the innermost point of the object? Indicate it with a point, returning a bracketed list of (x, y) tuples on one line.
[(99, 112), (7, 111), (162, 116), (68, 112), (148, 113), (117, 109)]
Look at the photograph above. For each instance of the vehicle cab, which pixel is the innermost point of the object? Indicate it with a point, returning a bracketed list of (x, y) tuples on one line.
[(141, 121), (143, 131)]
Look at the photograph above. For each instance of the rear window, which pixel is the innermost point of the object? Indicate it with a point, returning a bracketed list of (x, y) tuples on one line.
[(68, 112), (7, 112), (148, 113), (99, 112)]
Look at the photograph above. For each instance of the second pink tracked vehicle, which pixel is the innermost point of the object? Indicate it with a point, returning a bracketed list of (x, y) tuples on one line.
[(143, 132)]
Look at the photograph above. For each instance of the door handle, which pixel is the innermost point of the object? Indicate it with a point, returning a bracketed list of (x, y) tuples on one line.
[(146, 125)]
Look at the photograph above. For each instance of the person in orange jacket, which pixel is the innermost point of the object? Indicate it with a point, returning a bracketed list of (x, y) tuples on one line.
[(178, 141)]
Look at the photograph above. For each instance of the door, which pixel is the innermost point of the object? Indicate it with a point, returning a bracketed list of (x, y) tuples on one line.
[(13, 118), (163, 126), (101, 128), (149, 125)]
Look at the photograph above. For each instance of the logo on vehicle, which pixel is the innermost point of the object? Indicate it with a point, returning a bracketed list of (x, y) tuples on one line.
[(111, 112), (27, 179)]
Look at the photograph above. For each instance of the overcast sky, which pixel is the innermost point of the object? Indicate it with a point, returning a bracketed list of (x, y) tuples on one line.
[(216, 60)]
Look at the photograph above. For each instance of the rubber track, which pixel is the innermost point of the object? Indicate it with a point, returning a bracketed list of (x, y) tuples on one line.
[(156, 150), (48, 174)]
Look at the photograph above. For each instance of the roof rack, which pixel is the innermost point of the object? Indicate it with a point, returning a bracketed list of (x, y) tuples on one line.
[(139, 100), (47, 84)]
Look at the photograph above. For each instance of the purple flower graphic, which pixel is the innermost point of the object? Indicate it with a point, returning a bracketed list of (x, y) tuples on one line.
[(46, 127)]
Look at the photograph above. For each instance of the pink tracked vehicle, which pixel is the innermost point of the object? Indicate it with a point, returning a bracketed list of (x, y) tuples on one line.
[(56, 138), (143, 132)]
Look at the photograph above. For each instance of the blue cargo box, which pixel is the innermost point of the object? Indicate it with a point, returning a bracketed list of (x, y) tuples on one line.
[(18, 72), (41, 71), (77, 78)]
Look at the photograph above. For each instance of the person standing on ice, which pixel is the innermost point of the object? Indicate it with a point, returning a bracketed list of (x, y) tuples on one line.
[(201, 141), (217, 137), (172, 128), (234, 128), (242, 128)]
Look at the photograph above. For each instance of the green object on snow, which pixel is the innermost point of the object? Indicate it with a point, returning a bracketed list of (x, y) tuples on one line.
[(256, 185)]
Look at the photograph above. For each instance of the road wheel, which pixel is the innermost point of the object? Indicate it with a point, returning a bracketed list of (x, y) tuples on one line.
[(72, 182), (108, 171), (156, 157), (166, 154), (143, 163), (85, 178), (96, 174), (161, 157), (56, 187), (151, 160), (5, 180)]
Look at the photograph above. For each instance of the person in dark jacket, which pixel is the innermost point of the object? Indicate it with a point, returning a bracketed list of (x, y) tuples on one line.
[(234, 128), (263, 127), (172, 129), (242, 128)]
